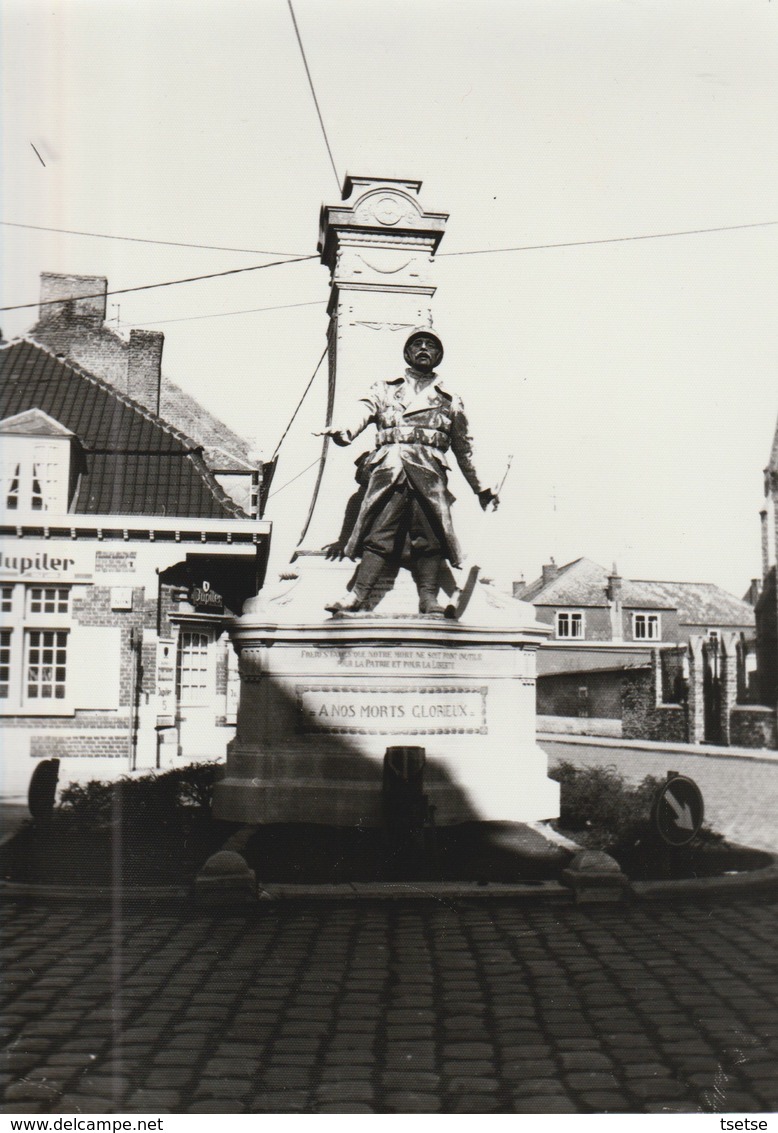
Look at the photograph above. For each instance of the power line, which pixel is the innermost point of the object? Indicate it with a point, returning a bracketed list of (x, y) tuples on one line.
[(144, 240), (149, 286), (612, 239), (297, 477), (299, 403), (222, 314), (313, 92)]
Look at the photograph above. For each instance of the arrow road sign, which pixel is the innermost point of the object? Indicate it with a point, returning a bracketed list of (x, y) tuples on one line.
[(678, 810)]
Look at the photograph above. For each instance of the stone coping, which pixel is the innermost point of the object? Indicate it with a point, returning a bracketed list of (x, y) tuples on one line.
[(733, 885)]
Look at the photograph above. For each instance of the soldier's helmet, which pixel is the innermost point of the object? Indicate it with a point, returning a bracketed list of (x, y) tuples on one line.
[(419, 332)]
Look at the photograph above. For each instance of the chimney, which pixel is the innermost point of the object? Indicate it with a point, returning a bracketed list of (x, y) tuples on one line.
[(550, 571), (613, 594), (765, 543), (68, 299), (754, 590), (144, 367), (613, 589), (519, 586)]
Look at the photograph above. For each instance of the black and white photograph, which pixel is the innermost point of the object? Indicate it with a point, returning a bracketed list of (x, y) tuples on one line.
[(388, 600)]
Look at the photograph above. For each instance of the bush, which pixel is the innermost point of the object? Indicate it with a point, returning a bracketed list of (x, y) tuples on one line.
[(152, 799), (600, 810)]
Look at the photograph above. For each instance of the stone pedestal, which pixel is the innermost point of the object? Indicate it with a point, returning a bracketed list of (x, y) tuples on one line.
[(321, 700)]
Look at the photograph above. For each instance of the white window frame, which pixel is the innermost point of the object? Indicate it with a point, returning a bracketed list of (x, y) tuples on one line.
[(50, 660), (573, 618), (202, 695), (35, 474), (653, 620), (21, 620)]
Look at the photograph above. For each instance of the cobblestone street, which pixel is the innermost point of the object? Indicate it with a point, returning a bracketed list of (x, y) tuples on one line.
[(395, 1006)]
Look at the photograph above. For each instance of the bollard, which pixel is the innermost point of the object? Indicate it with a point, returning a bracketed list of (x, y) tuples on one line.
[(406, 808)]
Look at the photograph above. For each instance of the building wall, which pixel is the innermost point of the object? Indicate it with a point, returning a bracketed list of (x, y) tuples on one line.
[(597, 623), (119, 711), (767, 641), (669, 629), (580, 694)]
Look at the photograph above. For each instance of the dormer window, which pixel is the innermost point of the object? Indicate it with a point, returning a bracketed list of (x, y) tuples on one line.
[(36, 463)]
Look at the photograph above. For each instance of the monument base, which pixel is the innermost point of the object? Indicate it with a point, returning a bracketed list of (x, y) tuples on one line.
[(321, 701)]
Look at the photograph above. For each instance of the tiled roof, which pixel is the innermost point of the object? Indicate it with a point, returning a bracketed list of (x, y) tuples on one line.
[(176, 406), (583, 583), (578, 583), (135, 463), (699, 603)]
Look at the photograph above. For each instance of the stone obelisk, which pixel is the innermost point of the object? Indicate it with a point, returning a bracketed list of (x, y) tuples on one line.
[(323, 697)]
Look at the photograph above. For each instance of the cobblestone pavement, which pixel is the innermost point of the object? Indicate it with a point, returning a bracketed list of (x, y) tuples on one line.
[(395, 1006), (741, 795)]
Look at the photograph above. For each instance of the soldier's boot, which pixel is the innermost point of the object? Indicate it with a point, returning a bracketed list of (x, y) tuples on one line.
[(426, 575), (369, 586)]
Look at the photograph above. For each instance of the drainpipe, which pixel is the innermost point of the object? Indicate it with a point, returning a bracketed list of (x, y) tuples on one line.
[(136, 643)]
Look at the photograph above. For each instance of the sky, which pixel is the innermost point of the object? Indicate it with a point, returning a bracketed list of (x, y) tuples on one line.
[(632, 381)]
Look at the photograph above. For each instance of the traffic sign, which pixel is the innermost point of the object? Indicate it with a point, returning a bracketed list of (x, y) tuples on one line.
[(678, 810)]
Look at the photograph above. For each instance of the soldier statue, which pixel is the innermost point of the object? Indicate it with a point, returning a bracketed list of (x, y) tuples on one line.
[(404, 516)]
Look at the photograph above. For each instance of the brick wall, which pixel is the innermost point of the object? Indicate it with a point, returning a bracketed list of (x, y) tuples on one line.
[(94, 609), (99, 351), (76, 745), (562, 695)]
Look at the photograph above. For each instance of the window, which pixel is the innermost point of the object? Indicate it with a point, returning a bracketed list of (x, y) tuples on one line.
[(193, 667), (34, 647), (569, 624), (35, 468), (49, 599), (5, 663), (645, 627), (46, 664)]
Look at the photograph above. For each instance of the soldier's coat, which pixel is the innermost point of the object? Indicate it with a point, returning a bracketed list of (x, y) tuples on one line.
[(434, 413)]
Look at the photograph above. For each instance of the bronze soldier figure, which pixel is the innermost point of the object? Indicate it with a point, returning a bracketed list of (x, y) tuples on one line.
[(405, 513)]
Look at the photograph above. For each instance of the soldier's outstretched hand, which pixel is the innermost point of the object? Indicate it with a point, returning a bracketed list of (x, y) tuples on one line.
[(337, 435), (488, 497)]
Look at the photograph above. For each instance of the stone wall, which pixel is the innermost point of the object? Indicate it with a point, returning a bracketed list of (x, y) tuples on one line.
[(753, 725), (643, 715)]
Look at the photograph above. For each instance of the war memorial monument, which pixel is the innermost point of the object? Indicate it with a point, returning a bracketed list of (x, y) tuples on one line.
[(374, 639)]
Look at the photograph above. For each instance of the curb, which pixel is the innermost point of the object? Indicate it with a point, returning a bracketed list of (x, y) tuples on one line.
[(729, 885), (659, 747)]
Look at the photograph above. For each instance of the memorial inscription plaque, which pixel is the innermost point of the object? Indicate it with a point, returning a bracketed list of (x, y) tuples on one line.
[(392, 710)]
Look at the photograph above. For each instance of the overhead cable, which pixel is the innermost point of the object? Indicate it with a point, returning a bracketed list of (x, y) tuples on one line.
[(221, 314), (611, 239), (297, 477), (149, 286), (313, 92), (147, 240), (299, 403)]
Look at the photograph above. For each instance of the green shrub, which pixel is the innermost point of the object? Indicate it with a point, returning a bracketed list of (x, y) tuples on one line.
[(142, 800), (90, 804), (600, 809)]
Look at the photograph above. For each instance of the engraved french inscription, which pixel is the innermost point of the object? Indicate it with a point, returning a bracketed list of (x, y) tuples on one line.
[(397, 710)]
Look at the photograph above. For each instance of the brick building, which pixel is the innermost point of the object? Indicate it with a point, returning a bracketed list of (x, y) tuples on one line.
[(123, 556), (764, 594), (627, 655)]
